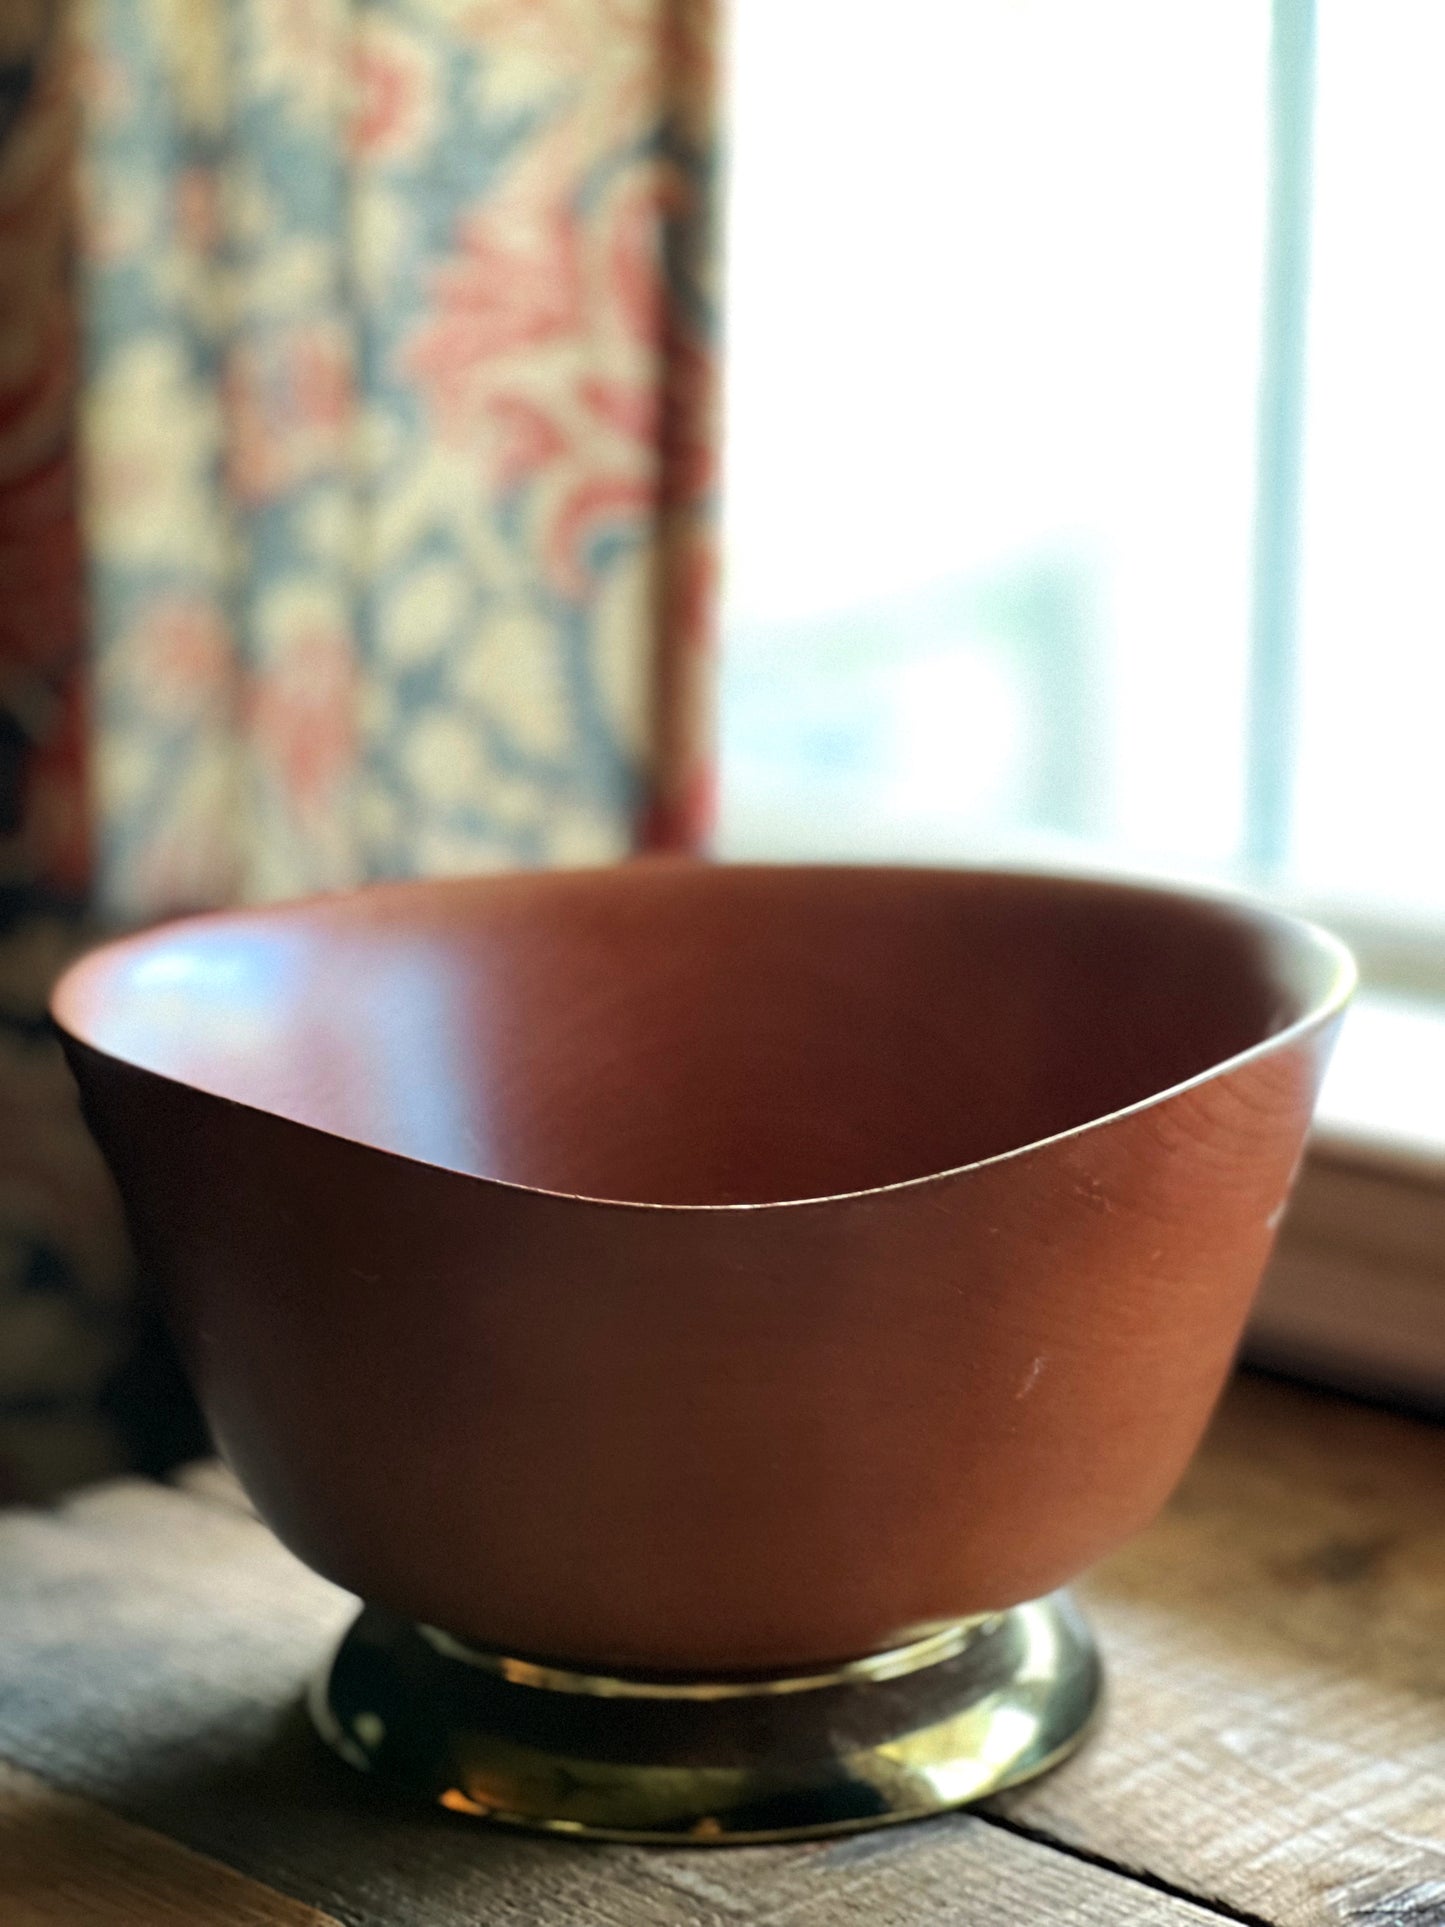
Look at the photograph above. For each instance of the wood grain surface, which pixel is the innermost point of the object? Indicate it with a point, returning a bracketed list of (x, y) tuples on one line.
[(67, 1863), (1276, 1734), (1274, 1748)]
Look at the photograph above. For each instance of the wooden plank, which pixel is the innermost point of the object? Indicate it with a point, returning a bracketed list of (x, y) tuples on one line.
[(152, 1649), (957, 1870), (67, 1863), (1276, 1733)]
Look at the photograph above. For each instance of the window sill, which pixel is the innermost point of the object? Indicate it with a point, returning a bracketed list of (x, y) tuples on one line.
[(1355, 1295)]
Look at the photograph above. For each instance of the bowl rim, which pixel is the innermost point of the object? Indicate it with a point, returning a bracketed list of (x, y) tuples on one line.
[(1342, 983)]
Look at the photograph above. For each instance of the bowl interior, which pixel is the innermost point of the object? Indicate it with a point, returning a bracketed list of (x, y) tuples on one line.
[(680, 1034)]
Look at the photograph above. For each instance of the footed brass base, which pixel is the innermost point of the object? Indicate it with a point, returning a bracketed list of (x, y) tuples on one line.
[(971, 1708)]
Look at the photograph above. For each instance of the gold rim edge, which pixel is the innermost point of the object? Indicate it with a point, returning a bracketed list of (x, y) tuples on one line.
[(896, 1662)]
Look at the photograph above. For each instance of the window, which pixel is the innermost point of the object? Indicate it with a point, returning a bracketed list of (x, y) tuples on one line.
[(1369, 801), (1031, 548)]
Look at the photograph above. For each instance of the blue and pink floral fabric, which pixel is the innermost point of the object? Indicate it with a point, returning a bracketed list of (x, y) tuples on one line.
[(400, 441)]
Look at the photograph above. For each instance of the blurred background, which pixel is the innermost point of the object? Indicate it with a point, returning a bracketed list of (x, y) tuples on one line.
[(1084, 416), (375, 498)]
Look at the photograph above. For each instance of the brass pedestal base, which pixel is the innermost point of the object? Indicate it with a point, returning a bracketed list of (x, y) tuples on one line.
[(971, 1708)]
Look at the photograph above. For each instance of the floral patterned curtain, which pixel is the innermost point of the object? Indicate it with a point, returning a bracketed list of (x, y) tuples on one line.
[(396, 445), (399, 424)]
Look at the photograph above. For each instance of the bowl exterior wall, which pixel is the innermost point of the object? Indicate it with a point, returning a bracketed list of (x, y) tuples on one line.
[(707, 1439)]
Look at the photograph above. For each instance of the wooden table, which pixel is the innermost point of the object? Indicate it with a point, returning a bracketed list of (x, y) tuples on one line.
[(1273, 1750)]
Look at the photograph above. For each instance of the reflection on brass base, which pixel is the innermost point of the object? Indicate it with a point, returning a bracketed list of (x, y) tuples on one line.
[(967, 1710)]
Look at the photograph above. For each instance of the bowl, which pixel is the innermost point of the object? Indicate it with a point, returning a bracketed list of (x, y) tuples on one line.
[(690, 1273)]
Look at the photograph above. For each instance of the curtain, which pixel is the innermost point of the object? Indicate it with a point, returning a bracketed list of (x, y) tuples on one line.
[(400, 438), (64, 1324), (357, 479)]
